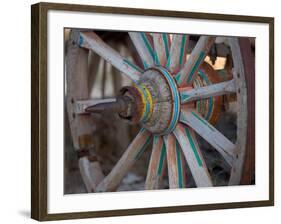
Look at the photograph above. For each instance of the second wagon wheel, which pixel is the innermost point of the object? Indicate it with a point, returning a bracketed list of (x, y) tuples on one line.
[(162, 99)]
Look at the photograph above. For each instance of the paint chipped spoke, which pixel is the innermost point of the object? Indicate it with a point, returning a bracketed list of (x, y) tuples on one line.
[(190, 69), (156, 164), (93, 42), (174, 162), (219, 89), (133, 152), (145, 50), (161, 46), (177, 56), (193, 156), (224, 146)]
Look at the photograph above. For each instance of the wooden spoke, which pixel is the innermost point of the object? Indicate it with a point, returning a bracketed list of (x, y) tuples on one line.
[(225, 147), (133, 152), (188, 95), (177, 56), (81, 105), (156, 164), (187, 74), (144, 48), (92, 41), (193, 156), (91, 173), (162, 47), (174, 162)]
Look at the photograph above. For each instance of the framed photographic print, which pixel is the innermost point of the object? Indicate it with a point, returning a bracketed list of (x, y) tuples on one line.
[(138, 111)]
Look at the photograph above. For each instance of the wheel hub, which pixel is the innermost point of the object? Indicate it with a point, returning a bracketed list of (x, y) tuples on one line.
[(155, 99)]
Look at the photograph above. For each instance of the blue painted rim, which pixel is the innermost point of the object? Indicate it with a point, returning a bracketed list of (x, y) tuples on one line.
[(176, 102)]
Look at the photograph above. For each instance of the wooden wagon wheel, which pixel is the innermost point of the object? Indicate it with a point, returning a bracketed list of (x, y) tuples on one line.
[(163, 100)]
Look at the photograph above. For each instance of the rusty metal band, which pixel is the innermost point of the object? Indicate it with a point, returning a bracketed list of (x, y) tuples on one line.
[(146, 100)]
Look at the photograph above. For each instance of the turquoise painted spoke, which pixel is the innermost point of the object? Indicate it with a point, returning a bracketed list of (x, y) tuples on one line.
[(184, 97), (168, 64), (196, 65), (166, 45), (81, 40), (162, 158), (141, 130), (177, 77), (155, 139), (132, 65), (142, 149), (203, 121), (179, 165), (198, 159), (183, 42), (145, 65), (148, 46)]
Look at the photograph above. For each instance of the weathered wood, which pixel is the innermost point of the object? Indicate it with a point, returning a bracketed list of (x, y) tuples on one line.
[(174, 162), (189, 95), (132, 153), (92, 41), (161, 47), (156, 164), (242, 112), (94, 64), (77, 89), (190, 69), (178, 50), (144, 48), (104, 79), (91, 173), (117, 82), (248, 173), (207, 131), (187, 140), (80, 124)]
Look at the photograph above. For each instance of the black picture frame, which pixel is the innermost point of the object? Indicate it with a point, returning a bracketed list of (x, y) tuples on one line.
[(39, 110)]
